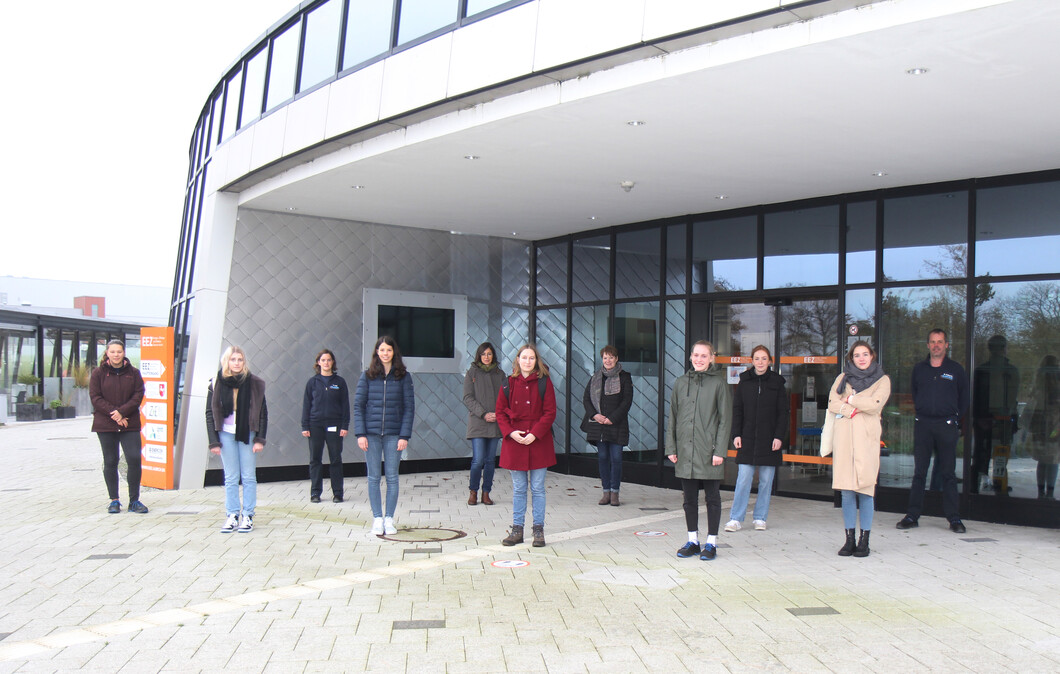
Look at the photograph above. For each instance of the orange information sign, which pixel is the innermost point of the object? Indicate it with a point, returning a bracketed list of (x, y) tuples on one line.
[(733, 360), (156, 410), (809, 360)]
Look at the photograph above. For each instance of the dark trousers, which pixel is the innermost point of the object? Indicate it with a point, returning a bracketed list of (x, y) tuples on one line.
[(130, 445), (713, 498), (938, 438), (318, 437)]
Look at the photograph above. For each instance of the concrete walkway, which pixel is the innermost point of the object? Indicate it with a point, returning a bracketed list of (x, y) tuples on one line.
[(309, 590)]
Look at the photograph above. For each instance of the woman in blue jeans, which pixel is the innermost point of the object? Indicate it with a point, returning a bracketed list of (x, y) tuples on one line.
[(383, 410), (481, 384), (759, 426), (608, 397), (236, 399)]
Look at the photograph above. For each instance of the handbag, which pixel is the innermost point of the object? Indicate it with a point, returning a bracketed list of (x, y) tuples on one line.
[(826, 434)]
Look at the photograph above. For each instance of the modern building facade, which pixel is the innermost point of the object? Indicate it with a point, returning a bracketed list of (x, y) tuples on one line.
[(644, 173)]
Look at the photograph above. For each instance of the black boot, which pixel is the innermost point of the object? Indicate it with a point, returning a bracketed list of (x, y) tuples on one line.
[(863, 544), (848, 547)]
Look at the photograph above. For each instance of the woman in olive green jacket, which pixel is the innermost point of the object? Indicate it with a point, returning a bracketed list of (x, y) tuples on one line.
[(697, 439)]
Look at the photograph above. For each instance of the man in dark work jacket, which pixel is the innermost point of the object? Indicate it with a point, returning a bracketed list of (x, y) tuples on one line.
[(940, 397)]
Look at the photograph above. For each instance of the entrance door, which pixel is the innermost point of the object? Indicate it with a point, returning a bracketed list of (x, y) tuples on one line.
[(803, 336)]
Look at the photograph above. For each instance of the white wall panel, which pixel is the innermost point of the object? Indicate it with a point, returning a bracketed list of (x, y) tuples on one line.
[(354, 100), (306, 120), (569, 30), (667, 17), (416, 77), (493, 50), (268, 138), (240, 147)]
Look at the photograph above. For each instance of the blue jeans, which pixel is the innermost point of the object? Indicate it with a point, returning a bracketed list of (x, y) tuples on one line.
[(382, 450), (864, 502), (743, 491), (537, 492), (483, 462), (610, 455), (240, 463)]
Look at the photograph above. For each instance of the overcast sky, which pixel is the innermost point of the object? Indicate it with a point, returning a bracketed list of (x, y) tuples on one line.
[(100, 100)]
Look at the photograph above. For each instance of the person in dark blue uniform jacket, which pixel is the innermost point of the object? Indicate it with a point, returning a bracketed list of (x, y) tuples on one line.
[(940, 397), (325, 420), (383, 410)]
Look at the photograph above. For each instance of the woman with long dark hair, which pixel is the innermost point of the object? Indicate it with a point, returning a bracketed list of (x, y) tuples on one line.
[(236, 401), (856, 399), (116, 389), (325, 420), (384, 407), (481, 384)]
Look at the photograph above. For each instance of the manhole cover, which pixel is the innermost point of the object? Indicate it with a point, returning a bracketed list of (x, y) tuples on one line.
[(425, 535)]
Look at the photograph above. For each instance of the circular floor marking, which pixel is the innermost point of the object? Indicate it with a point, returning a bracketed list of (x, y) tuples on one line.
[(425, 535), (650, 534), (510, 564)]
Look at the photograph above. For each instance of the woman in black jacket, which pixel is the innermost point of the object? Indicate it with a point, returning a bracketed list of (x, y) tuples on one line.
[(325, 419), (760, 426), (608, 397), (116, 389)]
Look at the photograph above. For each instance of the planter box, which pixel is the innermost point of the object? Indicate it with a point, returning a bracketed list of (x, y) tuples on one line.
[(66, 412), (82, 402), (28, 412), (47, 413)]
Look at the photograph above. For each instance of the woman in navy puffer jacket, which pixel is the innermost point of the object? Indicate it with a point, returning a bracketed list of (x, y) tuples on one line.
[(383, 411)]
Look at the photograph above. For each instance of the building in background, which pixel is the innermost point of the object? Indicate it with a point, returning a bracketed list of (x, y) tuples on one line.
[(643, 173)]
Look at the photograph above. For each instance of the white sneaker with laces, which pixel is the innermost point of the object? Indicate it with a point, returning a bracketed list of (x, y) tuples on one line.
[(388, 526), (733, 525), (230, 524), (377, 526), (760, 525), (246, 524)]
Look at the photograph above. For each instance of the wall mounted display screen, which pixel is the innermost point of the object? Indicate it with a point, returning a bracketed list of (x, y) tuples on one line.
[(430, 328)]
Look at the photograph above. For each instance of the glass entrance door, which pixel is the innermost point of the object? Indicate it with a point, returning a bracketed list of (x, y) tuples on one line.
[(803, 335)]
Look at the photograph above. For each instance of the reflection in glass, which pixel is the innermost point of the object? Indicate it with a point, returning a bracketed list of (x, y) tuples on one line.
[(321, 44), (476, 6), (636, 336), (1017, 229), (676, 256), (925, 237), (253, 88), (906, 317), (637, 263), (802, 248), (552, 273), (724, 255), (283, 66), (368, 28), (592, 268), (860, 320), (588, 334), (861, 242), (419, 17), (231, 111)]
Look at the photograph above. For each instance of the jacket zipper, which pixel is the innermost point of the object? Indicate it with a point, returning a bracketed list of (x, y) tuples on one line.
[(382, 425)]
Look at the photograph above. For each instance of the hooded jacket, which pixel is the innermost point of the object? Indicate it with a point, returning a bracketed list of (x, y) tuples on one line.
[(326, 403), (700, 423), (112, 389), (759, 414), (480, 396)]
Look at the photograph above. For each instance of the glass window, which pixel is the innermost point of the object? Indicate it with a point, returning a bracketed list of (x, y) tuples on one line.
[(253, 88), (283, 66), (476, 6), (676, 257), (368, 28), (637, 263), (635, 333), (860, 319), (906, 317), (802, 248), (321, 44), (861, 242), (231, 111), (552, 273), (552, 347), (725, 255), (925, 237), (592, 268), (1017, 229), (419, 17), (588, 334)]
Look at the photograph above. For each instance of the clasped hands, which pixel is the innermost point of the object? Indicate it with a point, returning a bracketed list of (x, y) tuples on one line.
[(522, 438)]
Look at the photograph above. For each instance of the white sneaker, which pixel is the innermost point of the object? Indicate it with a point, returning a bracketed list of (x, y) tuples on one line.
[(230, 524), (246, 525), (760, 525), (377, 526), (733, 525), (388, 526)]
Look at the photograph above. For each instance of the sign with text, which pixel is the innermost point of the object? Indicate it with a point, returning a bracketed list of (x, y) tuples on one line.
[(156, 410)]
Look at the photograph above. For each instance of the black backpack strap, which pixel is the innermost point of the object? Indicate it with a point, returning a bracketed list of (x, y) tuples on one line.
[(505, 387)]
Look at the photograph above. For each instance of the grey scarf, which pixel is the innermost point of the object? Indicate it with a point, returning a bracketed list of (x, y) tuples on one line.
[(605, 382)]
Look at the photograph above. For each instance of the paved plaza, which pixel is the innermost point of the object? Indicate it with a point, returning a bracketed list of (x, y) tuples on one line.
[(309, 590)]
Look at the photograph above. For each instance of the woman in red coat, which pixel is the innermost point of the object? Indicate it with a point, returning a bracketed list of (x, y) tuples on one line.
[(526, 408)]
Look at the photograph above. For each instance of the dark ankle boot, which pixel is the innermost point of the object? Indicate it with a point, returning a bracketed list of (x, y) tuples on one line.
[(514, 536), (539, 535), (863, 545), (605, 499), (848, 547), (473, 499)]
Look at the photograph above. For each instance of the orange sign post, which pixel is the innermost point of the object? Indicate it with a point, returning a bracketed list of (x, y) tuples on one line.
[(156, 410)]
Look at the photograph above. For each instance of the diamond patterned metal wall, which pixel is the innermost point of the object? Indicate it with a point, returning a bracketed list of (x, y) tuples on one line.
[(674, 360), (296, 287), (552, 274), (591, 269), (552, 346)]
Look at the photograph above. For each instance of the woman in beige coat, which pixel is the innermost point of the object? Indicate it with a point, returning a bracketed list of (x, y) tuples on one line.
[(856, 399)]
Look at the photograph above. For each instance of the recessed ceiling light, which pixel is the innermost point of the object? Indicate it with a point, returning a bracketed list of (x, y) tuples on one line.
[(879, 174), (472, 157), (592, 217), (636, 122), (291, 208), (916, 71), (356, 187), (721, 196), (515, 233)]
